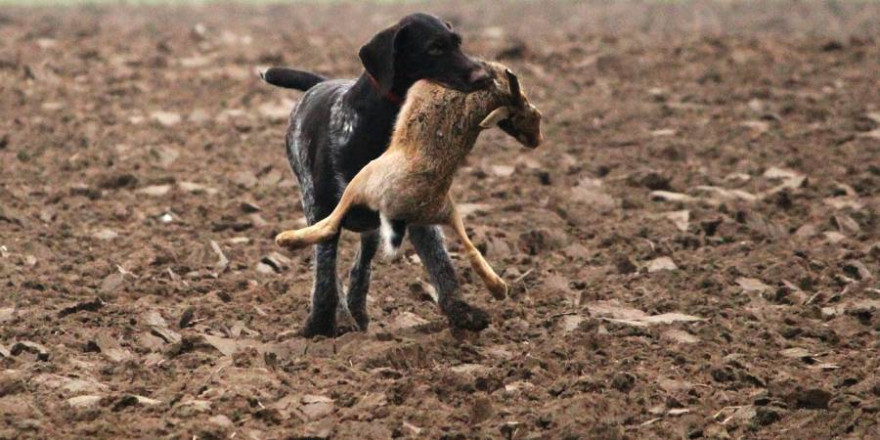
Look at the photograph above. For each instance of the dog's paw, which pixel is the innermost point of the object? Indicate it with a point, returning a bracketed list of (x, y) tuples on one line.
[(318, 327), (348, 321), (360, 317), (464, 316)]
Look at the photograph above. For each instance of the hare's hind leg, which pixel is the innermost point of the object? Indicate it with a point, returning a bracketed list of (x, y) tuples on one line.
[(496, 285), (317, 233), (329, 226), (300, 238)]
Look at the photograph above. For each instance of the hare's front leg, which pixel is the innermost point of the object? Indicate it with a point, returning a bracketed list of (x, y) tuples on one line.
[(496, 285)]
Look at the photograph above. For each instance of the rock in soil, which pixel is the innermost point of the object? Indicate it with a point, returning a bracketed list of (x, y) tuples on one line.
[(811, 398)]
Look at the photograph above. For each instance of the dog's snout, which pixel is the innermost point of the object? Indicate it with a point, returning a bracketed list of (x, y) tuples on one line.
[(479, 75)]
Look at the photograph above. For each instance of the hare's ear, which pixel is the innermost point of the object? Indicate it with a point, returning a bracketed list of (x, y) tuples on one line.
[(497, 115), (515, 89)]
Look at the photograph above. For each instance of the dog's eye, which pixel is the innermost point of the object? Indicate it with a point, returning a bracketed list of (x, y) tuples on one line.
[(437, 48)]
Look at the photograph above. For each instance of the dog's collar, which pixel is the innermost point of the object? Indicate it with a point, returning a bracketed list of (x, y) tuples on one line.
[(389, 95)]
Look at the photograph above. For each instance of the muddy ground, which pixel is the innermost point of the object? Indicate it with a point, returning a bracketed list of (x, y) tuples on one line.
[(694, 250)]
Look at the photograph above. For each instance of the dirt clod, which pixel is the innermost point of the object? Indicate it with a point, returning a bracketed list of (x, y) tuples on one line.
[(118, 181), (623, 382), (812, 398), (625, 265), (696, 237), (31, 347)]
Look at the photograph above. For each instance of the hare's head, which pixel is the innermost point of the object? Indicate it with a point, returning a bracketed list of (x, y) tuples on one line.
[(518, 118)]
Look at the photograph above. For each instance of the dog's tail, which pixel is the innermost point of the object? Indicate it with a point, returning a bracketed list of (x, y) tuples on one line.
[(291, 78)]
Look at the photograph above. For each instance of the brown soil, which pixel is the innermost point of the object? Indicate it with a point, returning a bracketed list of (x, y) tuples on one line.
[(137, 146)]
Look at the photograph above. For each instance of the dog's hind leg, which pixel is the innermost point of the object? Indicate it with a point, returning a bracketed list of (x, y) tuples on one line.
[(359, 279), (496, 285), (325, 292)]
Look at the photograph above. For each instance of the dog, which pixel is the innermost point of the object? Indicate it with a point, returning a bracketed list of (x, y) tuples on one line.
[(339, 126), (409, 183)]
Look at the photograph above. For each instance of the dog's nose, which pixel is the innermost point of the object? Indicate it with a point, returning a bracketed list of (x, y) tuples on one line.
[(479, 76)]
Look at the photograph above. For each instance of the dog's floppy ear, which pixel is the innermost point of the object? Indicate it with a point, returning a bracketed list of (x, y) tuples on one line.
[(377, 56)]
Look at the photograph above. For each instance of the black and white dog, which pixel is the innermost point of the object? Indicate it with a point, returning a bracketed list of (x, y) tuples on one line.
[(340, 125)]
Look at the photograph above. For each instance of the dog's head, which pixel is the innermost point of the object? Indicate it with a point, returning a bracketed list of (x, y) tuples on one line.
[(520, 119), (421, 46)]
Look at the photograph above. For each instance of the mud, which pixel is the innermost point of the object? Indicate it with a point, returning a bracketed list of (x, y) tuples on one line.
[(694, 250)]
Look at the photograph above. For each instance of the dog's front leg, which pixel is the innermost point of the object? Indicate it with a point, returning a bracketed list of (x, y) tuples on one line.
[(430, 245)]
